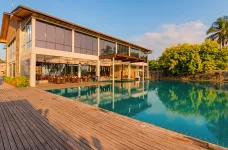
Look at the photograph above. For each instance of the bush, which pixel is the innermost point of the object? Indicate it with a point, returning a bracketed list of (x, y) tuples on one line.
[(20, 81)]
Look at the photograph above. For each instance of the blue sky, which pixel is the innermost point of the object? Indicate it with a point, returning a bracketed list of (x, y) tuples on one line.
[(155, 24)]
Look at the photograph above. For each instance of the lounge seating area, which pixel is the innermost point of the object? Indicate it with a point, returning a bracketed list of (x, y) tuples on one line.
[(62, 79)]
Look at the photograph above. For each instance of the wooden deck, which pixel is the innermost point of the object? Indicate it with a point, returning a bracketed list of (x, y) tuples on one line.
[(31, 118)]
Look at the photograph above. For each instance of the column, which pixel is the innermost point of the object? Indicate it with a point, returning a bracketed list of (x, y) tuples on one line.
[(98, 70), (137, 71), (79, 70), (33, 70), (142, 71), (116, 47), (129, 71)]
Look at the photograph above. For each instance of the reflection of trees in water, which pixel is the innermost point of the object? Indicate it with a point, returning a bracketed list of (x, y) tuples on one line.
[(219, 128), (189, 100)]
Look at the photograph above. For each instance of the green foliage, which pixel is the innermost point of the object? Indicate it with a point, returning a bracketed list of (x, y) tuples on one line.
[(20, 81), (154, 65), (187, 59), (219, 31)]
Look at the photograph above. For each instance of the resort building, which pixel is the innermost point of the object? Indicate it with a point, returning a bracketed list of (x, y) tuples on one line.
[(40, 45)]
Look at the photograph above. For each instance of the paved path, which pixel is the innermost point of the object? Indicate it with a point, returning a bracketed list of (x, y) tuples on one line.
[(6, 86), (31, 118)]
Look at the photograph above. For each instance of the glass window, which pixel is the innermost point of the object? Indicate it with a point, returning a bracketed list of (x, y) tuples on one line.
[(107, 47), (53, 37), (50, 33), (85, 44), (121, 49), (135, 52), (27, 36), (12, 49), (25, 68)]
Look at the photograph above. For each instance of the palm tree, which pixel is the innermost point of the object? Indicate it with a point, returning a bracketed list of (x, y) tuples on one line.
[(219, 31)]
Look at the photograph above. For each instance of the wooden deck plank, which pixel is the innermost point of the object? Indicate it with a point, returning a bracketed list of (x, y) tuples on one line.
[(87, 127), (10, 122), (52, 130), (45, 128), (8, 138)]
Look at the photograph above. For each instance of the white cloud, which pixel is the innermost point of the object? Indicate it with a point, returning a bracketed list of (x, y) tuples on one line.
[(172, 34)]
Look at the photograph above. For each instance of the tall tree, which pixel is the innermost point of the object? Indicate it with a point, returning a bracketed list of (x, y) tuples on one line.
[(219, 31)]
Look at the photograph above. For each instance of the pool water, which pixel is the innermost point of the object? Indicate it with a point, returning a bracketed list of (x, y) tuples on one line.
[(199, 110)]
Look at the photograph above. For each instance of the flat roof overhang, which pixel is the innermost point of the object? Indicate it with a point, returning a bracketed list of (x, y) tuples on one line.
[(22, 11), (122, 58), (4, 28)]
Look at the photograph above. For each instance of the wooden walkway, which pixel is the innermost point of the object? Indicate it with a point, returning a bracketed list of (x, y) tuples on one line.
[(31, 118)]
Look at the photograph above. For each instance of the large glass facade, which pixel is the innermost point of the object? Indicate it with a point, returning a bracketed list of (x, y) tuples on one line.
[(12, 49), (27, 36), (107, 47), (139, 54), (53, 37), (85, 44), (121, 49), (25, 68)]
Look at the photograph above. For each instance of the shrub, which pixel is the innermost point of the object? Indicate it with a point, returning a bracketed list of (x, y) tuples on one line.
[(20, 81)]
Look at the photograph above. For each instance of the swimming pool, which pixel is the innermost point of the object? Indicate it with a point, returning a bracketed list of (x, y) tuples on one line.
[(195, 109)]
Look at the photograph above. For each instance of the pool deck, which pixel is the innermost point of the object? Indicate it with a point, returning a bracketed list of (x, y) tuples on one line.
[(31, 118)]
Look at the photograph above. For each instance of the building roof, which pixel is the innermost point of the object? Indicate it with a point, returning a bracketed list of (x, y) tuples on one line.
[(22, 11)]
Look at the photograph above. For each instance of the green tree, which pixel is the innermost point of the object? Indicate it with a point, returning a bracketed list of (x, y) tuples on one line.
[(154, 65), (219, 31)]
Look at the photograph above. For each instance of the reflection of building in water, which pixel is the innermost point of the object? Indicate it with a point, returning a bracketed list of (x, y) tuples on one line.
[(126, 98)]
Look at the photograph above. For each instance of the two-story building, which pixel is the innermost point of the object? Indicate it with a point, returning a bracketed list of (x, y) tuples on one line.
[(38, 43)]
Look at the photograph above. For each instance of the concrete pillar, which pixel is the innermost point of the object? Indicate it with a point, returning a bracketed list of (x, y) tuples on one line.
[(137, 71), (129, 71), (33, 70), (79, 70), (143, 72), (98, 66), (116, 47)]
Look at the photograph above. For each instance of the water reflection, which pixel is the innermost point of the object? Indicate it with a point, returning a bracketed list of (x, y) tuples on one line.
[(195, 109), (205, 102), (123, 98)]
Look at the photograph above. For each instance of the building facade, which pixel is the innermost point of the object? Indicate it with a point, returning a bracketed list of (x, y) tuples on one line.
[(40, 44)]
